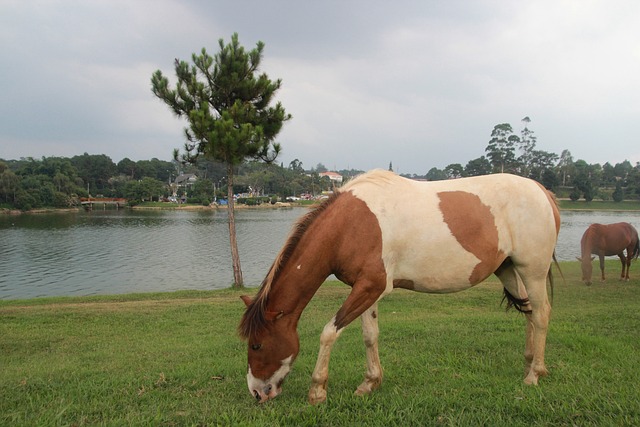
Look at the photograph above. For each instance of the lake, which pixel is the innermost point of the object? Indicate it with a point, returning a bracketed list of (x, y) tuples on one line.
[(113, 252)]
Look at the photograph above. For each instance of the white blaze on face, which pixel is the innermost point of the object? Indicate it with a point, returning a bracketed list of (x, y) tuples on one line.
[(264, 390)]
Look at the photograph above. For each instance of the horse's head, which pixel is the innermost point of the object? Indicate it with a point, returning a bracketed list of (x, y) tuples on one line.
[(271, 352), (587, 268)]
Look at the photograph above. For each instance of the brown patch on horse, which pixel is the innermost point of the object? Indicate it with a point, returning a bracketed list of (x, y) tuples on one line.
[(256, 317), (357, 256), (476, 233), (553, 201), (404, 284)]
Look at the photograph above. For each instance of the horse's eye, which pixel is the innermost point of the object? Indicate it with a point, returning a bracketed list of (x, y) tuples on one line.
[(256, 347)]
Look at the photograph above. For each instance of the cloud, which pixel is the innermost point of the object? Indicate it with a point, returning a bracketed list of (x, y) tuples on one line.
[(417, 83)]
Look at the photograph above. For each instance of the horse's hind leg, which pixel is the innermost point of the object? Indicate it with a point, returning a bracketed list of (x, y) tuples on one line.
[(537, 318), (624, 274)]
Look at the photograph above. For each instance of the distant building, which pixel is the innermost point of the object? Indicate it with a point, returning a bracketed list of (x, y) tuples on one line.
[(185, 180), (333, 176)]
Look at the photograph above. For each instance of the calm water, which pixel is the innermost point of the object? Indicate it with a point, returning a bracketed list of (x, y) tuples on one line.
[(109, 252)]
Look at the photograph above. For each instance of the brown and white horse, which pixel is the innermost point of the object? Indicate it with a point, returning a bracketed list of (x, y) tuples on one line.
[(607, 240), (381, 231)]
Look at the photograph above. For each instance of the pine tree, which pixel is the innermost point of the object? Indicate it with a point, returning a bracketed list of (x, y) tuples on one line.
[(227, 106)]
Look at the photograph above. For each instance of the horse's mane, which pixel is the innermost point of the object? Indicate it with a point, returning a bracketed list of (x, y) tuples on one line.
[(254, 319)]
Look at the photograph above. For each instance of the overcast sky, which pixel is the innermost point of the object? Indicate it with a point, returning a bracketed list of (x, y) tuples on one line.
[(417, 83)]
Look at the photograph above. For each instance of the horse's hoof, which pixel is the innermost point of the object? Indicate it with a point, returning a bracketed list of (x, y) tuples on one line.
[(367, 386), (363, 389), (317, 396)]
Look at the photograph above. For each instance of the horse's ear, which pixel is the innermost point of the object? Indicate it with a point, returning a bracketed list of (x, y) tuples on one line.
[(246, 299)]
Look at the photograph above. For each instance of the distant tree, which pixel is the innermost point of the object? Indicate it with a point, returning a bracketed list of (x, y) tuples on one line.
[(501, 148), (9, 185), (390, 166), (527, 145), (633, 182), (582, 180), (622, 169), (146, 189), (575, 194), (565, 165), (296, 166), (202, 191), (618, 193), (608, 174), (227, 106), (127, 167), (549, 179), (95, 170), (477, 167), (320, 168), (436, 174), (539, 162), (454, 170)]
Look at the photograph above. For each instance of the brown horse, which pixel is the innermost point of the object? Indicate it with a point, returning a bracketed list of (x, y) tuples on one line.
[(606, 240), (382, 231)]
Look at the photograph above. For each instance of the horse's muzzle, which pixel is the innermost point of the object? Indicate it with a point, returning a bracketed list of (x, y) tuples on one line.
[(268, 392)]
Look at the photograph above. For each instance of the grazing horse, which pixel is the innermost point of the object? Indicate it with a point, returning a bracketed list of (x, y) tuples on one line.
[(381, 231), (606, 240)]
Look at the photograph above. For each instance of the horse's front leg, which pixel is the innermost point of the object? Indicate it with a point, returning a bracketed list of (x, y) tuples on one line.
[(602, 266), (373, 377), (363, 295), (320, 376)]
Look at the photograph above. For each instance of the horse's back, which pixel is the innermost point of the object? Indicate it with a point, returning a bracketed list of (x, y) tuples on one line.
[(459, 231), (608, 239)]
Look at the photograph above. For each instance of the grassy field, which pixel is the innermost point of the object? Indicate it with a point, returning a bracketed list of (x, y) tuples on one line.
[(175, 359), (599, 205)]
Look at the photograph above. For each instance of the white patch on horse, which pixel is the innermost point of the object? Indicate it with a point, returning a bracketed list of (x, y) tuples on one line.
[(270, 388), (298, 267), (417, 243)]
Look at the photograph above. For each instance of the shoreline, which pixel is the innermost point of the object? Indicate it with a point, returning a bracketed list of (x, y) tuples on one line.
[(278, 205)]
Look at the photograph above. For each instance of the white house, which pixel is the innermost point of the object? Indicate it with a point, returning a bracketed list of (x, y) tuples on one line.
[(333, 176)]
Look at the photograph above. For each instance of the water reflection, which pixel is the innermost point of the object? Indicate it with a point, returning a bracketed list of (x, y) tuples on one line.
[(107, 252)]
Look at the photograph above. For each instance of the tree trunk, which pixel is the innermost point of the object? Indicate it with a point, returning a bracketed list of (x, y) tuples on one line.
[(235, 255)]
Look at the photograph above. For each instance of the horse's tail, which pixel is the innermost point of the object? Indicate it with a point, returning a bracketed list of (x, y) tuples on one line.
[(550, 274), (515, 302), (636, 250), (520, 303)]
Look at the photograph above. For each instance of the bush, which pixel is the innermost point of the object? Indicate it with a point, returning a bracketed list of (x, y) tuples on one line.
[(61, 200), (575, 194), (25, 201), (618, 193)]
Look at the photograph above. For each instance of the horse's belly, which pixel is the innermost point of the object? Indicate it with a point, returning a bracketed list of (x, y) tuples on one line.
[(440, 273)]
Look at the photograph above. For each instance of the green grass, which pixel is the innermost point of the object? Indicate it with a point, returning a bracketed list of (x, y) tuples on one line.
[(175, 359), (599, 205)]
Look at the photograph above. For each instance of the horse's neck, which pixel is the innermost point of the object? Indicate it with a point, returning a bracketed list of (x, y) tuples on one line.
[(301, 276)]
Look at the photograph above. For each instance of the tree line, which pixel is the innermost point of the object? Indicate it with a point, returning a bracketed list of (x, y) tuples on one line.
[(509, 152), (59, 182)]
